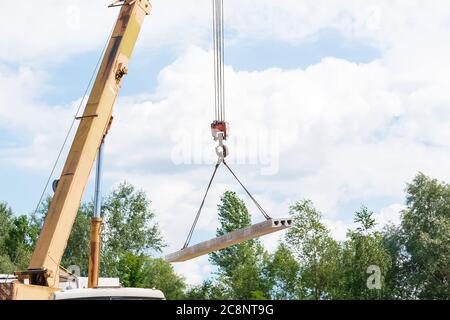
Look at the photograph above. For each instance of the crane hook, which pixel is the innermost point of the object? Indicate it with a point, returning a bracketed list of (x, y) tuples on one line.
[(221, 149)]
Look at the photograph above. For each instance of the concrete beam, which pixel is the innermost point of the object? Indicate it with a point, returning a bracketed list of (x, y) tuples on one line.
[(232, 238)]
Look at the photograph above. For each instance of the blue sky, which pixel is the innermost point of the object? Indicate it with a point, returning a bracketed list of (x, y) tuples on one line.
[(339, 97)]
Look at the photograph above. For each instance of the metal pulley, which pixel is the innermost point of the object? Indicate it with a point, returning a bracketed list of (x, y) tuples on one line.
[(219, 130)]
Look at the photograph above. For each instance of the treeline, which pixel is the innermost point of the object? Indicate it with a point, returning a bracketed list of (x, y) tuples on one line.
[(409, 261), (130, 238)]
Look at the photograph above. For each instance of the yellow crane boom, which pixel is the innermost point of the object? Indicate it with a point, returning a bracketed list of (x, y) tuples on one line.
[(44, 269)]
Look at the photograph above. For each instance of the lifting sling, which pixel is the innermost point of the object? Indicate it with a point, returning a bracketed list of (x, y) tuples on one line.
[(219, 127)]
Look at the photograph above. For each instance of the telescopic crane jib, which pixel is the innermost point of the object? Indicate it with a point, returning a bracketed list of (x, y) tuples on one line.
[(44, 270)]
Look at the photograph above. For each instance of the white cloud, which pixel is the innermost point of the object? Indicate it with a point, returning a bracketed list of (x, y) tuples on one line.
[(390, 215), (194, 271), (52, 30), (71, 27), (338, 228), (35, 128)]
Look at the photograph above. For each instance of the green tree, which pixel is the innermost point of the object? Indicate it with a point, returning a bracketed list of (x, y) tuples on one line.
[(208, 290), (425, 233), (78, 245), (316, 251), (397, 284), (284, 273), (6, 218), (130, 269), (366, 221), (139, 271), (364, 250), (159, 274), (242, 267), (20, 241), (6, 215), (6, 265), (129, 228), (17, 237), (129, 236)]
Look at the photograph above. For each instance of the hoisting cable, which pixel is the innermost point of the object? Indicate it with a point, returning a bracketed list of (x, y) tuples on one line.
[(218, 48), (221, 160), (221, 55), (201, 207), (216, 71), (219, 127), (248, 192), (74, 120)]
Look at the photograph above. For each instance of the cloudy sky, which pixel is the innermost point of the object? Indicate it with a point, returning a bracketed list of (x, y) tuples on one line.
[(341, 102)]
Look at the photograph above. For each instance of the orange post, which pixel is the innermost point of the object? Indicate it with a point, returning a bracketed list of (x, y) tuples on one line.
[(94, 257)]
